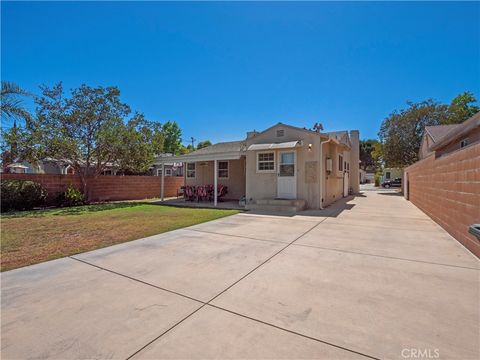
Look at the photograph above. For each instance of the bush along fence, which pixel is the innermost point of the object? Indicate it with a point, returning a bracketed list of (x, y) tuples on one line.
[(104, 188), (448, 190)]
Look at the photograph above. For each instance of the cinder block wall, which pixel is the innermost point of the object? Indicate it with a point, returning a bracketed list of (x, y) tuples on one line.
[(448, 190), (106, 188)]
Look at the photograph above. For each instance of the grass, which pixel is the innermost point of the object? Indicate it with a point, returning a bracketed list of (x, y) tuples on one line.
[(32, 237)]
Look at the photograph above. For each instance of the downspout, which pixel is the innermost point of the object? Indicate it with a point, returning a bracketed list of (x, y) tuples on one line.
[(321, 174)]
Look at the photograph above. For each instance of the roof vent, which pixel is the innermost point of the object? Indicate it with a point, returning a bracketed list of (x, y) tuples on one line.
[(280, 133)]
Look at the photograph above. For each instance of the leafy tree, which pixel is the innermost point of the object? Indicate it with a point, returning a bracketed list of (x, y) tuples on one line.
[(88, 131), (367, 159), (377, 155), (460, 109), (142, 140), (401, 132), (172, 137), (186, 149), (203, 144)]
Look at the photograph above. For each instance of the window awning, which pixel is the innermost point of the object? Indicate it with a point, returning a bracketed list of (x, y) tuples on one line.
[(275, 146)]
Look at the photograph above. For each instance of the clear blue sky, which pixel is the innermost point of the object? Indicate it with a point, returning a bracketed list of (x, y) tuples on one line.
[(221, 69)]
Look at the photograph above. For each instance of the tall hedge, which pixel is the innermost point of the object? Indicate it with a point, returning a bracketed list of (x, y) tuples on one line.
[(21, 195)]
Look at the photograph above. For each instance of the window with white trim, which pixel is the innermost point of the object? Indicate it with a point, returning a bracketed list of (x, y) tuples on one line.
[(223, 169), (159, 172), (168, 172), (340, 162), (266, 162), (191, 170)]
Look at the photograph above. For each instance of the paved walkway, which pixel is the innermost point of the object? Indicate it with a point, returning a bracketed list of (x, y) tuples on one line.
[(369, 278)]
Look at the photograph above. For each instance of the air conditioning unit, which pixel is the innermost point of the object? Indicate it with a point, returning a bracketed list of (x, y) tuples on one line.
[(329, 164)]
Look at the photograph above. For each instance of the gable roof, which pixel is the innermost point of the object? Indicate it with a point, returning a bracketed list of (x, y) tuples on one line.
[(221, 147), (439, 131), (230, 150), (458, 131), (292, 127)]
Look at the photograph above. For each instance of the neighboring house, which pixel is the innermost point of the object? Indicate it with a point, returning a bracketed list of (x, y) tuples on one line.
[(391, 173), (432, 135), (171, 168), (445, 183), (458, 137), (366, 177), (49, 166), (283, 162), (45, 166)]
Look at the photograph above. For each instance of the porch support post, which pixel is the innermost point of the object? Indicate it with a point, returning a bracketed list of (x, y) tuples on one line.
[(215, 182), (162, 186)]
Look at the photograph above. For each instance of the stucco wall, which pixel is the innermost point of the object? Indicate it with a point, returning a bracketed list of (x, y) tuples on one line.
[(333, 188), (235, 181), (264, 185), (448, 190)]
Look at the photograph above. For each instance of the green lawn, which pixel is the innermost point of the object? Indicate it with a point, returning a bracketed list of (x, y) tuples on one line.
[(35, 236)]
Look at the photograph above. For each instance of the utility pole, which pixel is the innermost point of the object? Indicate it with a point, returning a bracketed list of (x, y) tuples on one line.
[(193, 141)]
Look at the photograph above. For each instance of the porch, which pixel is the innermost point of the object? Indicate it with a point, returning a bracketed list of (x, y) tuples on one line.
[(213, 177)]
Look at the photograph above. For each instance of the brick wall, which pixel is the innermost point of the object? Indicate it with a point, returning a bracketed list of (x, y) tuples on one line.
[(448, 190), (106, 188)]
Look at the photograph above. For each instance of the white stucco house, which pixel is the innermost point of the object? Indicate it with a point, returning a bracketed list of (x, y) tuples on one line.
[(282, 166)]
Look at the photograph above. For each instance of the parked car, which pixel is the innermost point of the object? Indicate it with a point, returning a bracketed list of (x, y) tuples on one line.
[(397, 182)]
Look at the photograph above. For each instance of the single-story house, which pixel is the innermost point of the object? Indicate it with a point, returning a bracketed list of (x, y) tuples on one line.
[(431, 135), (391, 173), (458, 137), (50, 166), (171, 168), (280, 166)]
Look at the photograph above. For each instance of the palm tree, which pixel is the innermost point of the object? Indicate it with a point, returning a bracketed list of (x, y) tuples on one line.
[(12, 108), (11, 102)]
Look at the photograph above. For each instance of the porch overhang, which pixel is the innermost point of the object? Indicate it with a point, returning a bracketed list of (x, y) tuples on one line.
[(234, 155), (275, 146)]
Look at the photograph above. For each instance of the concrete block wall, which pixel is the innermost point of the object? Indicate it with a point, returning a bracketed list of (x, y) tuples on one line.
[(448, 190), (106, 188)]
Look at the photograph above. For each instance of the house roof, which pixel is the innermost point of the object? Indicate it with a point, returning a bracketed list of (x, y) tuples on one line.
[(220, 148), (230, 150), (292, 127), (458, 131), (439, 131)]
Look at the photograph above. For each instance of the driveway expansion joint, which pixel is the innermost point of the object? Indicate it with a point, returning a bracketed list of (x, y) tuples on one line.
[(386, 257), (238, 236), (292, 332), (137, 280), (208, 303)]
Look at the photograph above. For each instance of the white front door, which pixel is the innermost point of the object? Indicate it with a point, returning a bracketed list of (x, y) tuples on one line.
[(287, 175)]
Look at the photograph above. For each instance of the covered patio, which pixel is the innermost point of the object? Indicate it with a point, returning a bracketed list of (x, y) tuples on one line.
[(213, 175)]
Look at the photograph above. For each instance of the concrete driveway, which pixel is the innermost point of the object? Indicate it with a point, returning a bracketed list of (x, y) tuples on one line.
[(369, 278)]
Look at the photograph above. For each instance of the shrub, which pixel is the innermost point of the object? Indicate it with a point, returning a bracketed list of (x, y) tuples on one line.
[(71, 197), (22, 195), (377, 180)]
